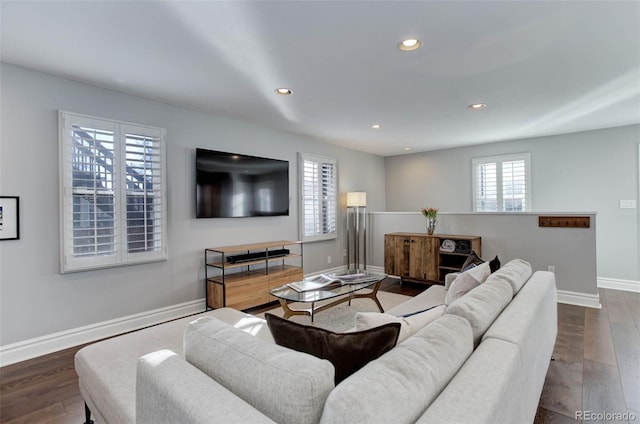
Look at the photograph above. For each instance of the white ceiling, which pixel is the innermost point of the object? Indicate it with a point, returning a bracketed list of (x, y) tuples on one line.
[(543, 67)]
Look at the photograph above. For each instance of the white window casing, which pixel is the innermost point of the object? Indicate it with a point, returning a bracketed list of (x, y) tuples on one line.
[(502, 183), (113, 193), (318, 192)]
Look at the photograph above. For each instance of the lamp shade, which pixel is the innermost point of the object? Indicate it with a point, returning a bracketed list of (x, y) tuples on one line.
[(356, 199)]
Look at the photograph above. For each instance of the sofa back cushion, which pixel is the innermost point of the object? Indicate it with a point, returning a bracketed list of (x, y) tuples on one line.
[(515, 272), (285, 385), (486, 390), (530, 321), (398, 386), (482, 305)]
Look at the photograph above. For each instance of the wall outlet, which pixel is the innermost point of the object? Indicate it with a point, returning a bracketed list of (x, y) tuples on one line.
[(329, 259), (344, 253), (551, 268)]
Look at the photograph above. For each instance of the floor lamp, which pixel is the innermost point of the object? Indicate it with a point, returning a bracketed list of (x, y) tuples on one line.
[(356, 229)]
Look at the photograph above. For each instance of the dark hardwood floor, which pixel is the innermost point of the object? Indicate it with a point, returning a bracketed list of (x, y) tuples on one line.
[(596, 368), (597, 363)]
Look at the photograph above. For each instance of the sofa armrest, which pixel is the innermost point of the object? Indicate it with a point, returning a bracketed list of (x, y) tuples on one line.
[(448, 279), (170, 390)]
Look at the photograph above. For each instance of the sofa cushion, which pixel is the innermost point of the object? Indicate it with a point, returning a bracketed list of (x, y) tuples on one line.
[(433, 296), (285, 385), (348, 352), (515, 272), (467, 281), (481, 306), (409, 324), (400, 385)]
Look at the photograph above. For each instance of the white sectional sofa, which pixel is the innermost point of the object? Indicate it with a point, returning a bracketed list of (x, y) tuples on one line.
[(483, 361)]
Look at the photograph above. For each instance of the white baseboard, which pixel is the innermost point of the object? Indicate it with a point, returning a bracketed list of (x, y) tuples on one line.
[(27, 349), (579, 299), (378, 269), (617, 284)]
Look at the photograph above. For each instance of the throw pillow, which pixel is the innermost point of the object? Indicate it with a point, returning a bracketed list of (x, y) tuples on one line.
[(467, 281), (473, 260), (409, 324), (348, 352), (494, 264)]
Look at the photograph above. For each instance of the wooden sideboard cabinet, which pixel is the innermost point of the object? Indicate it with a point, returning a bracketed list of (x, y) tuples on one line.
[(241, 276), (419, 257)]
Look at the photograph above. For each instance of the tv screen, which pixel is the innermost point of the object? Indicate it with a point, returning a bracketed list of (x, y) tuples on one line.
[(231, 185)]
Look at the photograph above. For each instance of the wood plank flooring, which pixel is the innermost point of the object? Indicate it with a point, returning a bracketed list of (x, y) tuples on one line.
[(597, 368), (597, 362)]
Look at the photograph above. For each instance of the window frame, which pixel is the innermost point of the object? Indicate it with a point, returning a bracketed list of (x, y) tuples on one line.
[(121, 256), (499, 160), (302, 157)]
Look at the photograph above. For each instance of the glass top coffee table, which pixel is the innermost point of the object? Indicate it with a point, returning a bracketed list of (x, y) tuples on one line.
[(343, 291)]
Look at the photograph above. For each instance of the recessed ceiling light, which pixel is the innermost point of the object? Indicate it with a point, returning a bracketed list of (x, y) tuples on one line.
[(477, 106), (406, 149), (376, 126), (409, 44), (283, 91)]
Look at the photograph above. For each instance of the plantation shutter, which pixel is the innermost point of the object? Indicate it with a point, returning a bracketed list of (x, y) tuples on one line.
[(144, 188), (501, 184), (329, 198), (311, 198), (318, 182), (486, 187), (112, 186), (514, 190)]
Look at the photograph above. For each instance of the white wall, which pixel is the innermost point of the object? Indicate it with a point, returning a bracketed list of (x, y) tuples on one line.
[(572, 251), (36, 300), (587, 171)]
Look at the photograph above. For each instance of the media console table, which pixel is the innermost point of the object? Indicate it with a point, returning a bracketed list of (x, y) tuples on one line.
[(241, 276)]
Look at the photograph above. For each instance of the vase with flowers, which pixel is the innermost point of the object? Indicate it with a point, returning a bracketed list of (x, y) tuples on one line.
[(431, 214)]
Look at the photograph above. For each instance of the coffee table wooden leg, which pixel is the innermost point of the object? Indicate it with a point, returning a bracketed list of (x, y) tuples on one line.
[(373, 295), (288, 312)]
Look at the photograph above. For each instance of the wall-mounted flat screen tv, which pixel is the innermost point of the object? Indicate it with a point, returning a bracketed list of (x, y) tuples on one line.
[(231, 185)]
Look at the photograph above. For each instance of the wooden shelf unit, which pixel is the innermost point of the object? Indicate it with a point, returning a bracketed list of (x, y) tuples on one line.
[(418, 257), (246, 284), (452, 261)]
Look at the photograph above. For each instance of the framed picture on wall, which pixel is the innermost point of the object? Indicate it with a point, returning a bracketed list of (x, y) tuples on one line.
[(9, 218)]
